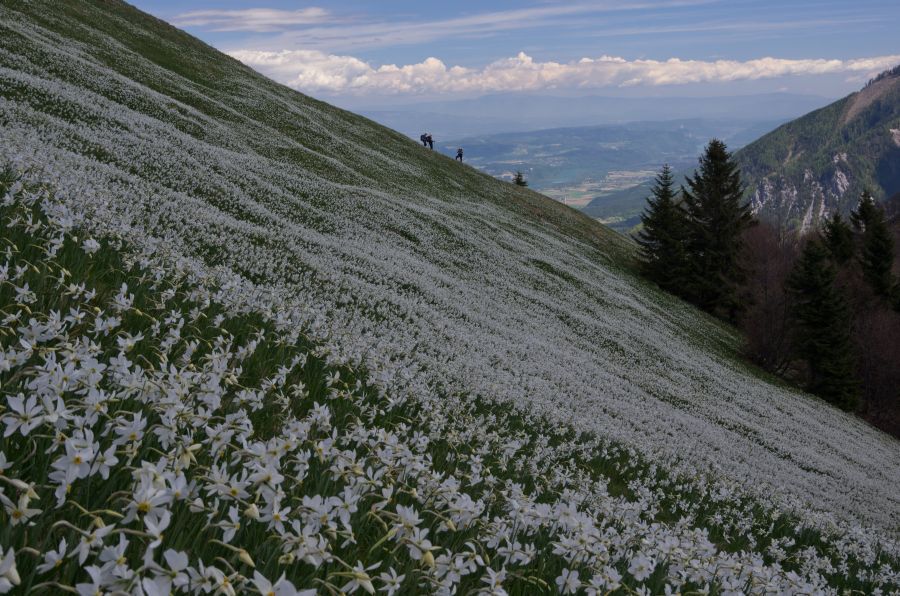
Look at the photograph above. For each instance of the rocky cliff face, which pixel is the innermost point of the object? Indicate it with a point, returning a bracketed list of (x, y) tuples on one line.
[(821, 162), (808, 200)]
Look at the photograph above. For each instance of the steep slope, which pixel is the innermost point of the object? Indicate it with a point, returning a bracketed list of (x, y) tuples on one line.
[(818, 163), (822, 162), (506, 330)]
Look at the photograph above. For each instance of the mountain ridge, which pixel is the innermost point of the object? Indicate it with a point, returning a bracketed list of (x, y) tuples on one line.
[(821, 162)]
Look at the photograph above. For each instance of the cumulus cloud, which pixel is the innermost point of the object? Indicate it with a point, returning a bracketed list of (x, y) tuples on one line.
[(252, 19), (314, 71)]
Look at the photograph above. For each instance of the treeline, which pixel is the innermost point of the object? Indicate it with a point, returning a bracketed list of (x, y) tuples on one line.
[(822, 309), (884, 75)]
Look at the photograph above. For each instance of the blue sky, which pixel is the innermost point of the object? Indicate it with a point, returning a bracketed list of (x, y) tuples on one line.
[(406, 49)]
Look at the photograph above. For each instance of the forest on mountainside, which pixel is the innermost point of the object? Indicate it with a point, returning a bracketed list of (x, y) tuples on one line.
[(820, 308)]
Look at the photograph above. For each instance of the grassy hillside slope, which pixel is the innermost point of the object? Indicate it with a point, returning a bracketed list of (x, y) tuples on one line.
[(550, 396)]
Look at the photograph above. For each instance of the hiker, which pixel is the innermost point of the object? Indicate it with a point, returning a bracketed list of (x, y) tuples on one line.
[(429, 140), (459, 153), (424, 139)]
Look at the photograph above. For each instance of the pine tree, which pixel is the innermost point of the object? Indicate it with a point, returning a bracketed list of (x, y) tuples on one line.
[(663, 234), (519, 179), (718, 216), (877, 251), (838, 238), (822, 329)]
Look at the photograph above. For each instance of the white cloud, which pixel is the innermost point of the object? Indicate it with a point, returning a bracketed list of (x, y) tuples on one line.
[(314, 71), (252, 19)]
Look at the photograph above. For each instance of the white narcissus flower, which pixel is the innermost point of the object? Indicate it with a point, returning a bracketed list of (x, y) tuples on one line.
[(231, 525), (99, 580), (282, 587), (20, 513), (160, 585), (641, 567), (177, 565), (25, 415), (360, 578), (567, 582), (494, 580), (408, 517), (218, 581), (115, 559), (105, 462), (155, 525), (76, 463), (53, 558), (90, 541), (90, 246), (9, 576), (391, 582)]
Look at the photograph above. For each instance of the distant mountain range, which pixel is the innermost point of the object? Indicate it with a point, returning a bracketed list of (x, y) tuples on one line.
[(813, 165), (517, 112)]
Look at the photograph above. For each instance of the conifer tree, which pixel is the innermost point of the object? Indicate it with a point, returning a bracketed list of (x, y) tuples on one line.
[(865, 211), (519, 179), (717, 216), (877, 250), (663, 234), (822, 329), (838, 238)]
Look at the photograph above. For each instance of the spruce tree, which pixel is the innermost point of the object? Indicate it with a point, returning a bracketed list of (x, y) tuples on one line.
[(821, 327), (838, 238), (877, 251), (519, 179), (718, 217), (663, 234)]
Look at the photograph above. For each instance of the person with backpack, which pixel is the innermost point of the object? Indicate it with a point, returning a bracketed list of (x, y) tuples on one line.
[(459, 154), (424, 138), (430, 140)]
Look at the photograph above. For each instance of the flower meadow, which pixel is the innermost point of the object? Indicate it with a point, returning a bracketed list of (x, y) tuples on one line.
[(250, 342)]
